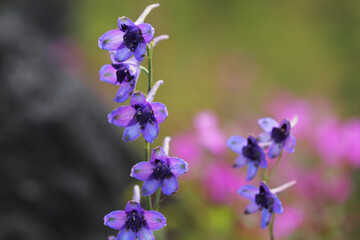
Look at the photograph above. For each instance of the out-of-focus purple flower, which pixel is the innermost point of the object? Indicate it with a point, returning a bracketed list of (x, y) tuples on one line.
[(262, 199), (135, 222), (209, 134), (250, 154), (124, 74), (278, 134), (161, 171), (351, 135), (288, 222), (130, 39), (139, 117), (221, 183), (111, 238)]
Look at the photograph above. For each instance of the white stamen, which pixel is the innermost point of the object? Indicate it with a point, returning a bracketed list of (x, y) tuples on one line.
[(151, 94), (160, 38), (264, 144), (146, 12), (166, 144), (136, 195), (283, 187), (294, 121)]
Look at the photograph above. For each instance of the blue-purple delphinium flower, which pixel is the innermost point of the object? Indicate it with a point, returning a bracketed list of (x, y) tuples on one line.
[(135, 222), (250, 154), (124, 74), (139, 117), (262, 199), (278, 134), (161, 171), (130, 39)]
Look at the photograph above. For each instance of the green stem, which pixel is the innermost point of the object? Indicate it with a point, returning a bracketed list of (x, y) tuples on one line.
[(157, 199), (271, 227), (275, 166), (147, 144)]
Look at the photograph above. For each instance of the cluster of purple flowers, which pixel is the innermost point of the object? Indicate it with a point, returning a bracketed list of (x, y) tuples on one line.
[(253, 152), (128, 46)]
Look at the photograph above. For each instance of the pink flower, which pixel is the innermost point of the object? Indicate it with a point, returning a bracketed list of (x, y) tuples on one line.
[(288, 222), (351, 136)]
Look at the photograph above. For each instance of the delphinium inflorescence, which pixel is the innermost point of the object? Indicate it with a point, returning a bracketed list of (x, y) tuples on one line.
[(252, 152), (128, 46)]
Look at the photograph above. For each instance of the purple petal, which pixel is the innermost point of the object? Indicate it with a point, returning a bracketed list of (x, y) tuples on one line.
[(264, 137), (169, 185), (267, 124), (126, 235), (178, 166), (236, 143), (274, 150), (266, 218), (151, 131), (159, 153), (154, 220), (145, 234), (147, 31), (150, 186), (263, 162), (132, 131), (278, 206), (124, 92), (125, 21), (122, 54), (139, 53), (248, 192), (111, 40), (121, 116), (132, 205), (252, 170), (115, 219), (251, 208), (142, 170), (108, 74), (240, 161), (262, 184), (290, 144), (160, 111), (138, 98)]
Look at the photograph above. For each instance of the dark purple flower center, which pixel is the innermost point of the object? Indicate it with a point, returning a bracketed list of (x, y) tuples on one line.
[(132, 37), (279, 135), (161, 170), (144, 115), (264, 199), (135, 221), (122, 73), (252, 151)]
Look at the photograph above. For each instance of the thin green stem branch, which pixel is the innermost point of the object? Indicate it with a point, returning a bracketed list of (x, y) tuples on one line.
[(157, 199), (274, 167), (144, 69), (271, 227), (147, 149)]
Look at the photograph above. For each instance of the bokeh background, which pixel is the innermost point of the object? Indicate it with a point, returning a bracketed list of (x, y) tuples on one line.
[(227, 64)]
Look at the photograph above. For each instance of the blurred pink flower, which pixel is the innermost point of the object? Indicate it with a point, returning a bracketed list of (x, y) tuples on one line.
[(287, 222), (351, 135), (221, 183), (338, 187), (209, 134)]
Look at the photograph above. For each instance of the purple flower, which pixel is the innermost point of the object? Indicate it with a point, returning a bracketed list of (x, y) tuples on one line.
[(250, 154), (278, 134), (124, 74), (139, 117), (130, 39), (161, 171), (262, 199), (135, 222)]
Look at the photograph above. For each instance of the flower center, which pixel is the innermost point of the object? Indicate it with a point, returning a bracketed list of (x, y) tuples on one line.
[(144, 115), (162, 170), (135, 221), (252, 151), (279, 135), (122, 73), (132, 37), (264, 199)]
